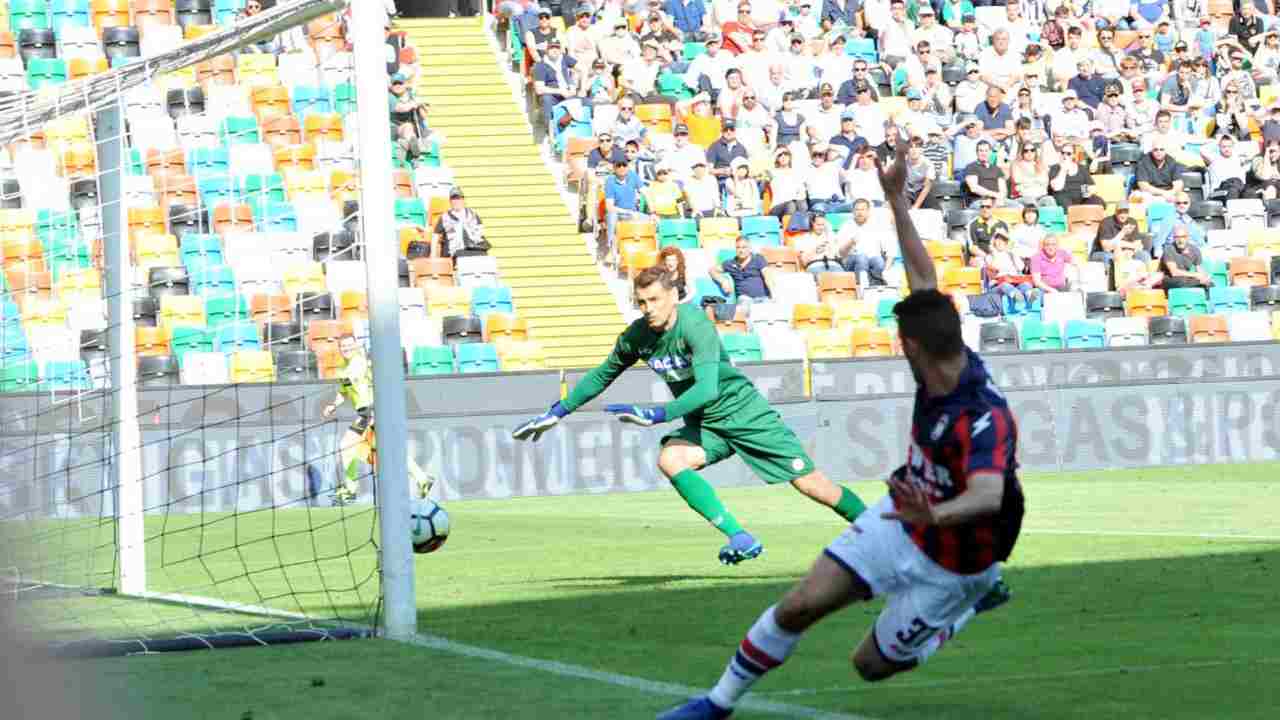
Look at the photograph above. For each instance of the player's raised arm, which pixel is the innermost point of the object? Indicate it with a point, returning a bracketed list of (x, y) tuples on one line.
[(893, 178), (591, 385)]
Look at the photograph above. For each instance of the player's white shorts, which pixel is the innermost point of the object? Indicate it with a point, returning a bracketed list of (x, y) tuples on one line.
[(924, 598)]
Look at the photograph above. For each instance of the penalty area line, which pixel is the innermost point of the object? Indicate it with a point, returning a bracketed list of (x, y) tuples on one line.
[(651, 687), (1157, 534)]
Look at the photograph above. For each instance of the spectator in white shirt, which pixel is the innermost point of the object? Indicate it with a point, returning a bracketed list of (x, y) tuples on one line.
[(1000, 64), (1225, 169), (869, 117), (939, 37), (786, 185), (713, 65), (1066, 58), (683, 154), (894, 40), (863, 246), (824, 123), (823, 184), (702, 191)]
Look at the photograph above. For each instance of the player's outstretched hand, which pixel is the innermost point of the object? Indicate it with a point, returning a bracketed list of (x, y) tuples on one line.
[(533, 429), (637, 415), (911, 504), (893, 176)]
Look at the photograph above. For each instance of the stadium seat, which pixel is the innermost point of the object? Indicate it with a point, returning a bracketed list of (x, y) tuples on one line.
[(521, 355), (1040, 335), (476, 358), (806, 316), (681, 233), (257, 70), (307, 277), (1164, 330), (504, 326), (222, 310), (251, 366), (444, 301), (282, 336), (1082, 334), (762, 231), (485, 300), (785, 259), (236, 336), (1061, 307), (742, 347), (837, 286), (718, 233), (425, 272), (946, 253), (998, 337), (46, 72), (849, 313), (872, 342), (1184, 302), (827, 343), (1126, 331), (25, 14), (19, 376), (1249, 271), (1146, 303), (79, 285), (1253, 326), (961, 280), (431, 360), (1208, 329), (476, 271), (1218, 271), (1224, 300), (1265, 298), (461, 328), (308, 99), (213, 280)]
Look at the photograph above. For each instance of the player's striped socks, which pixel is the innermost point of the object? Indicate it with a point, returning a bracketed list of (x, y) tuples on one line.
[(765, 647), (703, 499)]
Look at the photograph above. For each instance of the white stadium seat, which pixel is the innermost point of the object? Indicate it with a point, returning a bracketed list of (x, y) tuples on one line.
[(1127, 332)]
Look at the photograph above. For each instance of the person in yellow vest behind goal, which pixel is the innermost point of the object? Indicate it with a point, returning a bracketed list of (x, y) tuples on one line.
[(355, 385)]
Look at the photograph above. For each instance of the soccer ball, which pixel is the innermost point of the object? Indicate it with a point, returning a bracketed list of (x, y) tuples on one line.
[(428, 525)]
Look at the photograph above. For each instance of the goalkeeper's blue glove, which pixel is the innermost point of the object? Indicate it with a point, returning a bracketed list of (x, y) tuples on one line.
[(533, 429), (638, 415)]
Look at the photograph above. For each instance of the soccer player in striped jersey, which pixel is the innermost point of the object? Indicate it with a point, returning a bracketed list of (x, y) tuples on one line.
[(933, 545)]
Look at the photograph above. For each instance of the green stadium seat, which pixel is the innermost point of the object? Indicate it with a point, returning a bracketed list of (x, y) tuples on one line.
[(1225, 300), (236, 130), (189, 339), (1053, 219), (19, 376), (411, 211), (477, 358), (743, 347), (693, 49), (1083, 334), (46, 72), (682, 233), (24, 14), (1040, 335), (431, 360), (1217, 270), (222, 310), (269, 188), (1184, 302), (884, 313), (344, 99), (65, 375)]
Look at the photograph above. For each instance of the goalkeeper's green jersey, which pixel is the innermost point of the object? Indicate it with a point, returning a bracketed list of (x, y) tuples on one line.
[(356, 381), (692, 361)]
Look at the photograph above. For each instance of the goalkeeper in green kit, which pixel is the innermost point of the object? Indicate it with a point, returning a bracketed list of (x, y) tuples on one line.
[(722, 410)]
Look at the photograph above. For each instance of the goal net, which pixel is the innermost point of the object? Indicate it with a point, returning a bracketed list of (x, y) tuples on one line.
[(183, 251)]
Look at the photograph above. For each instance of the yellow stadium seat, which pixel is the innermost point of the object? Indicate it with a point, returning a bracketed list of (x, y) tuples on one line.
[(892, 107), (445, 300), (717, 234), (506, 327), (1109, 187), (44, 312), (851, 313), (872, 342), (65, 131), (1275, 324), (962, 280), (257, 69), (150, 341), (270, 101), (252, 366), (516, 355), (181, 311), (146, 221), (301, 156), (299, 183), (324, 126), (79, 285), (807, 316), (305, 277), (353, 305), (156, 250), (828, 343), (77, 160), (946, 253), (1011, 216), (1146, 303), (1264, 242), (17, 220)]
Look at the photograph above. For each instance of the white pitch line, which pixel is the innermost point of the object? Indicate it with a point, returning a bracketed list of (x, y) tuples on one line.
[(994, 678), (1157, 533), (651, 687)]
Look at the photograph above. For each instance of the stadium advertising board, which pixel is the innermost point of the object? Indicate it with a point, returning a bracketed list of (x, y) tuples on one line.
[(215, 449)]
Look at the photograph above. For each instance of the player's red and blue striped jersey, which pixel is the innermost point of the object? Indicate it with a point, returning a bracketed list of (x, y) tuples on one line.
[(952, 437)]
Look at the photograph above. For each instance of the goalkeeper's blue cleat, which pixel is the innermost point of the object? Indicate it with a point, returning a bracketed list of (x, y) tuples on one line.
[(699, 708), (742, 546), (998, 595)]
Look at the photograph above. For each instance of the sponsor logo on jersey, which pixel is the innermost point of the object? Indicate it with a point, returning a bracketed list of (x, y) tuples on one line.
[(671, 368), (797, 464), (940, 427)]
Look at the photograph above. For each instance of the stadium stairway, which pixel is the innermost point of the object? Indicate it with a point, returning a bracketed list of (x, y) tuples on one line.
[(488, 145)]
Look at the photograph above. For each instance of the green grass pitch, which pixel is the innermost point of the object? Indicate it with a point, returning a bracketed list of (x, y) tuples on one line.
[(1138, 594)]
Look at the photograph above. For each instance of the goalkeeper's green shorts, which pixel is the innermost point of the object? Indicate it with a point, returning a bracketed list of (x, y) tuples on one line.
[(766, 445)]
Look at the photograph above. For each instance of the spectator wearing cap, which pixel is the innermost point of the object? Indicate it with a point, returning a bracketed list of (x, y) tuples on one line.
[(786, 186), (1087, 84), (1225, 169), (726, 149), (619, 48), (742, 192), (824, 183), (639, 78), (1239, 77), (554, 81), (459, 231), (1246, 26), (1070, 180), (807, 22), (849, 139), (938, 151), (702, 192), (1118, 122), (708, 71), (995, 114), (1006, 272), (799, 65), (605, 153), (971, 90), (743, 274), (914, 118), (1158, 177), (1180, 259), (823, 122), (939, 37), (1000, 63), (1118, 231), (1165, 230), (1266, 61), (778, 39), (1049, 267), (1071, 120), (535, 41), (663, 195), (983, 180), (658, 30), (597, 86), (621, 197), (688, 16), (580, 39), (869, 116), (682, 154), (407, 112)]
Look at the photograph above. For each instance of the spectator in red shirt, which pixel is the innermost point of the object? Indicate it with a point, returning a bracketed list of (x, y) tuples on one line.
[(737, 32), (1049, 266)]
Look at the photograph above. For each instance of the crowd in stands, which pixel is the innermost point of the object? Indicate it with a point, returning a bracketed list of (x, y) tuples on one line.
[(242, 195), (1054, 147)]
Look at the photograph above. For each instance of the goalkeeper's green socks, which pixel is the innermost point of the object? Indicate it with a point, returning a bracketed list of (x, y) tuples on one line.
[(702, 498), (850, 506)]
